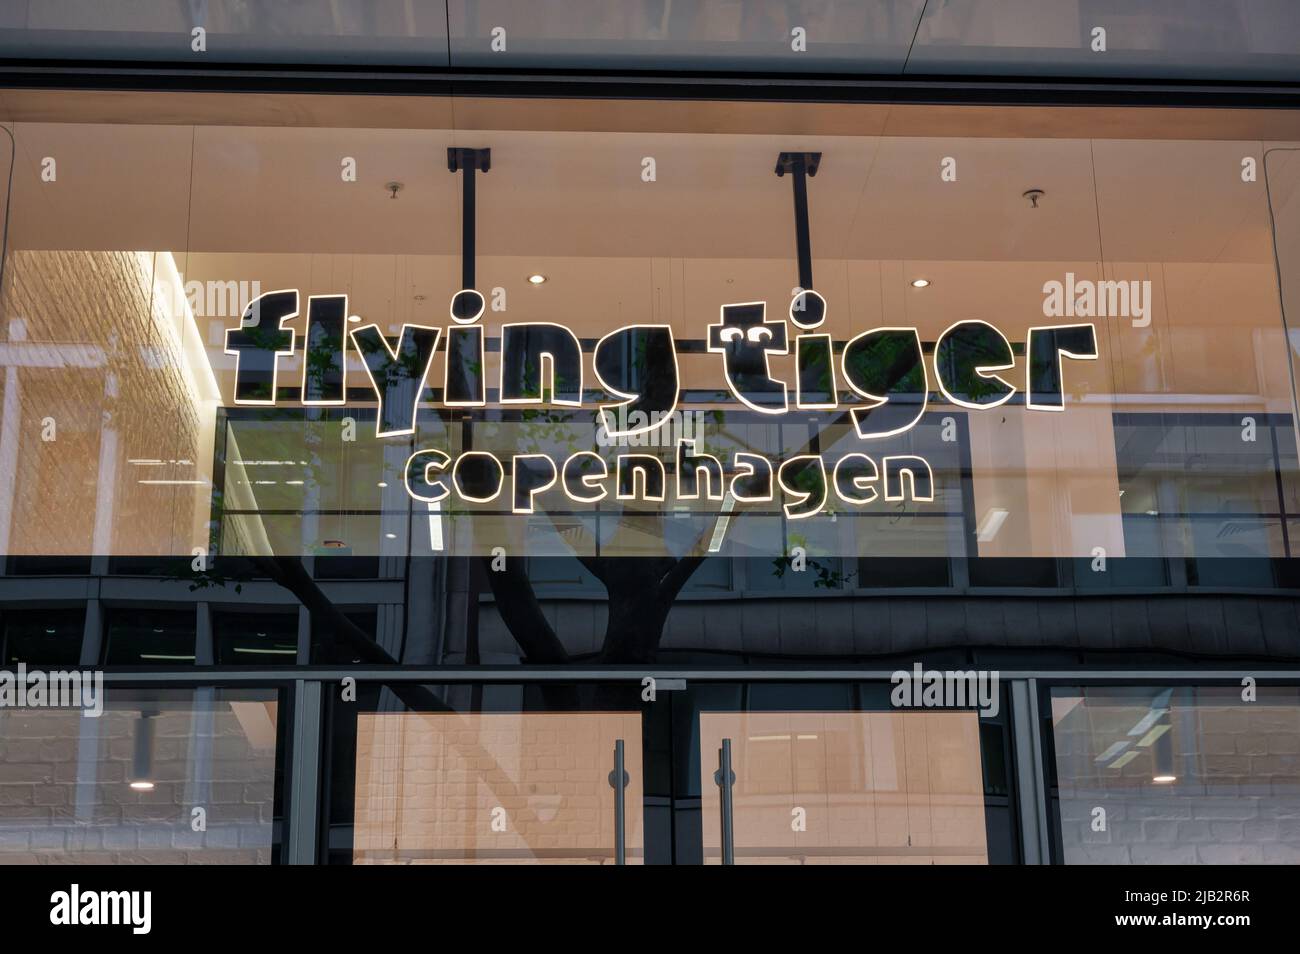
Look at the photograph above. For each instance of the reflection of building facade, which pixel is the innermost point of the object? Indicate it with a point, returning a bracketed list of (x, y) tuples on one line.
[(227, 511)]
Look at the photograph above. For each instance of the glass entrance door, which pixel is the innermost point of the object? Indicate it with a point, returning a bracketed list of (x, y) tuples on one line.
[(832, 773), (842, 788), (475, 787), (819, 773)]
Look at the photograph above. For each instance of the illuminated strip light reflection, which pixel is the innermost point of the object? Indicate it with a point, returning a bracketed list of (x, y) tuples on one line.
[(1149, 739), (1113, 751), (720, 529), (197, 368), (1147, 721), (1124, 759), (435, 526), (991, 524)]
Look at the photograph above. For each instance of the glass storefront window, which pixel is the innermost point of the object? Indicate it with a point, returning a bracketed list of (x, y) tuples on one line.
[(1149, 457), (1177, 775), (126, 786), (1012, 387), (1157, 454)]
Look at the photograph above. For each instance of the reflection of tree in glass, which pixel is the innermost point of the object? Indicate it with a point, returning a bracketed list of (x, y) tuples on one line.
[(889, 363), (640, 590), (827, 577), (322, 359)]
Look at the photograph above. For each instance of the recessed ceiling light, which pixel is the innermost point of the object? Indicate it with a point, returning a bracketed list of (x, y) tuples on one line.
[(383, 483), (1164, 779), (391, 536), (536, 279), (920, 283), (142, 786), (354, 318)]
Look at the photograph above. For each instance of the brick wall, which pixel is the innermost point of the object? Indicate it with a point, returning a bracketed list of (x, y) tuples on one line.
[(65, 797), (87, 345), (1235, 800)]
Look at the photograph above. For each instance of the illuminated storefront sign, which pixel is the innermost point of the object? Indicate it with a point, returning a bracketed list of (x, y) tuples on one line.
[(885, 369)]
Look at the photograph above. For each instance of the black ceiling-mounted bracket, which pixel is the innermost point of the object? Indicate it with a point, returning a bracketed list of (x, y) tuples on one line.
[(808, 309), (793, 161), (460, 158), (469, 161)]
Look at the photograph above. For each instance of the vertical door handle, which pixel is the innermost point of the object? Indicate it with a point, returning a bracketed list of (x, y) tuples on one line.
[(618, 780), (725, 779)]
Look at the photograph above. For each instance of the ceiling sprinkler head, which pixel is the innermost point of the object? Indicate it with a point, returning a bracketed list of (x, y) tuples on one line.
[(393, 188), (1033, 195)]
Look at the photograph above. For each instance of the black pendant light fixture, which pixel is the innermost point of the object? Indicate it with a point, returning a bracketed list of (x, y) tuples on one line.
[(142, 779)]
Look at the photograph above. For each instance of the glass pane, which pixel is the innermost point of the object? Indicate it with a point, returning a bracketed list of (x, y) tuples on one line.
[(1188, 775), (493, 788), (150, 638), (1164, 465), (685, 34), (1156, 38), (847, 787), (306, 31), (1282, 171), (122, 787), (43, 637), (255, 639)]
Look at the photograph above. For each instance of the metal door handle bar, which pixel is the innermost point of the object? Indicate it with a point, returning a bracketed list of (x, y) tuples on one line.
[(618, 780), (726, 778)]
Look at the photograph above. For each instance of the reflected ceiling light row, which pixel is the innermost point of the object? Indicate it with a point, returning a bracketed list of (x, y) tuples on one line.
[(539, 279)]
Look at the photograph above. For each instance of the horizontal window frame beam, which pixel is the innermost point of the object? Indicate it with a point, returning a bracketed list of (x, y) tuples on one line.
[(611, 84), (220, 676)]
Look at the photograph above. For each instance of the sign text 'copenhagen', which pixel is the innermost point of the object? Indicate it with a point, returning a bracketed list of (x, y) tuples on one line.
[(542, 363)]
